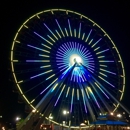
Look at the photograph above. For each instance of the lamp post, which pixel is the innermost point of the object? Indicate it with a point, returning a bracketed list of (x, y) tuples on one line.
[(87, 123), (65, 112), (119, 116), (0, 122), (50, 119), (18, 118), (33, 112)]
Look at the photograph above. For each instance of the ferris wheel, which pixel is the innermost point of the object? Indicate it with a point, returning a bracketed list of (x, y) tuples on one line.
[(63, 61)]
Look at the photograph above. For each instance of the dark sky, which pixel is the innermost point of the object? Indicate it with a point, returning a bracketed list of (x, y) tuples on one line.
[(113, 17)]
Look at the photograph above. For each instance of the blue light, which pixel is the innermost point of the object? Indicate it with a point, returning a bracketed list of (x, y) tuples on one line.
[(102, 51), (70, 28), (59, 27), (72, 100), (96, 42), (40, 74), (79, 30), (59, 96), (108, 71), (50, 31), (65, 46), (106, 81), (63, 69), (38, 48), (48, 86), (74, 49), (43, 38), (63, 66), (88, 35), (84, 100), (65, 72)]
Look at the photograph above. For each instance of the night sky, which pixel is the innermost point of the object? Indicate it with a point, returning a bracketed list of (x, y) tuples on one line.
[(113, 17)]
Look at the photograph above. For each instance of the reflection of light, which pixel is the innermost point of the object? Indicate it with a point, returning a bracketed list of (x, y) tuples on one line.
[(128, 127)]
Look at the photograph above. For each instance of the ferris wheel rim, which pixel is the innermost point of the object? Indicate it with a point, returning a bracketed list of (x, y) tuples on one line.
[(67, 11)]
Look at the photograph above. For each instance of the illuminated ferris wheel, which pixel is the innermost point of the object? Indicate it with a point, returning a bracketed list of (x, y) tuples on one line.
[(62, 60)]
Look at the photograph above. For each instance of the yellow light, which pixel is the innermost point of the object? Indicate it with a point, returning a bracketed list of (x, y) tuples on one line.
[(83, 36), (17, 41), (66, 32), (52, 12), (55, 87), (89, 89), (32, 100), (25, 26), (58, 33), (51, 76), (51, 38), (75, 32), (15, 60), (20, 81), (45, 66), (81, 16), (46, 46), (90, 41), (44, 55), (38, 17)]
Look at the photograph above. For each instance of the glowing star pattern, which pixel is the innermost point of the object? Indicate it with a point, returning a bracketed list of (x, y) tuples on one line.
[(68, 61)]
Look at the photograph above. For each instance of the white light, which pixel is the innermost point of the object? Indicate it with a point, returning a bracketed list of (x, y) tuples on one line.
[(18, 118), (63, 122), (3, 128), (50, 117), (75, 59), (65, 112), (34, 110), (82, 124), (111, 113), (119, 115)]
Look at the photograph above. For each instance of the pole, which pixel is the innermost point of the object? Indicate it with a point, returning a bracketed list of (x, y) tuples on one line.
[(62, 125)]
